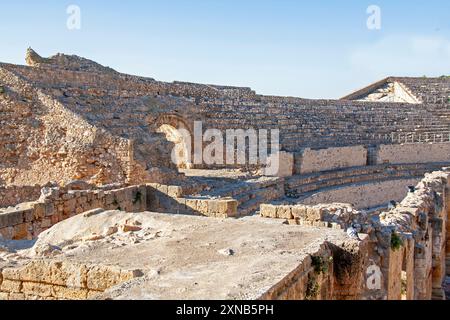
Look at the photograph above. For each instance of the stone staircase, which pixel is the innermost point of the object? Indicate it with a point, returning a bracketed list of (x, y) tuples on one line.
[(322, 124), (250, 194), (303, 123), (305, 185)]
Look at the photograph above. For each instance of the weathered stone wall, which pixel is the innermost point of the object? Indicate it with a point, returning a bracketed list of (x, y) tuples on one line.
[(311, 280), (171, 199), (407, 245), (60, 280), (335, 215), (364, 195), (43, 141), (310, 161), (131, 108), (413, 153), (298, 185), (59, 204), (13, 195), (334, 272)]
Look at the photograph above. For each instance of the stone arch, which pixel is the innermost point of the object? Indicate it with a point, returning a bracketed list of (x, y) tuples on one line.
[(171, 125)]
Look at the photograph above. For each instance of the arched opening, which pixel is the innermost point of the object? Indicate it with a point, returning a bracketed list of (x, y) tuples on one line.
[(181, 151), (178, 132)]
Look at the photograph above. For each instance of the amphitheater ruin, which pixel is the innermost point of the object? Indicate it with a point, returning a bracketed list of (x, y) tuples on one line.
[(92, 205)]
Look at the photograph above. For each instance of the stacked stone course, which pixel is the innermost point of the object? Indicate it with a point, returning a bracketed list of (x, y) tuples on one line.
[(66, 118), (420, 220), (60, 280)]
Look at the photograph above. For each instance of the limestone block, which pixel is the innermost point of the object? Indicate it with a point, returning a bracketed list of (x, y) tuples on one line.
[(37, 289), (17, 297), (163, 188), (284, 212), (55, 219), (3, 220), (82, 200), (70, 206), (13, 218), (92, 294), (39, 211), (202, 206), (280, 165), (175, 191), (54, 272), (49, 209), (120, 196), (330, 159), (21, 231), (299, 212), (11, 286), (7, 233), (127, 275), (28, 215), (67, 196), (413, 153), (228, 207), (314, 214), (4, 296), (70, 293), (100, 278), (213, 207), (46, 223), (109, 199), (192, 204), (268, 211)]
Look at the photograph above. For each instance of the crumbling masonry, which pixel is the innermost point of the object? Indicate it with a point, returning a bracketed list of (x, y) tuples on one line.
[(91, 201)]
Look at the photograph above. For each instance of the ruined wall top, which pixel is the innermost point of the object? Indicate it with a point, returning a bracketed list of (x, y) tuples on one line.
[(63, 61)]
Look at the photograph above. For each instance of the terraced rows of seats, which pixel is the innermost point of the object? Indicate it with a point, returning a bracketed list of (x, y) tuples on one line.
[(428, 90), (126, 85), (120, 103), (320, 124), (303, 186)]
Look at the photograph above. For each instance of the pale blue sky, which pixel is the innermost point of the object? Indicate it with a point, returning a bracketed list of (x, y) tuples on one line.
[(310, 49)]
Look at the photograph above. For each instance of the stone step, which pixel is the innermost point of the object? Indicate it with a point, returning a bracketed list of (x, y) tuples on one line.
[(298, 187), (299, 180), (250, 207), (355, 179), (296, 200)]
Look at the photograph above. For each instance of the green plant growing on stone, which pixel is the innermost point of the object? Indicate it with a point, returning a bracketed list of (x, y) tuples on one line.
[(396, 241), (2, 90), (312, 289), (137, 197), (319, 264)]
